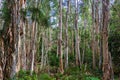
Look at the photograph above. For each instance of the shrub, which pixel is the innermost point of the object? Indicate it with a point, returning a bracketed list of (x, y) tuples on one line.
[(45, 76), (24, 75)]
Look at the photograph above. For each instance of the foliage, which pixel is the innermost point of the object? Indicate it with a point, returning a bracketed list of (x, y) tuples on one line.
[(38, 14), (6, 13), (114, 37), (53, 59), (45, 76), (114, 44), (23, 13), (24, 75), (91, 78), (75, 73)]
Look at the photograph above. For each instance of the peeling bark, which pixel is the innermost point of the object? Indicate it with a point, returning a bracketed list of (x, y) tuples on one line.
[(107, 69)]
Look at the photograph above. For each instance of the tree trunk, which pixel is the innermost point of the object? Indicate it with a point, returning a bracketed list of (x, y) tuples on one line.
[(93, 34), (1, 58), (77, 49), (10, 42), (60, 38), (23, 26), (66, 33), (101, 50), (33, 50), (97, 47), (107, 72)]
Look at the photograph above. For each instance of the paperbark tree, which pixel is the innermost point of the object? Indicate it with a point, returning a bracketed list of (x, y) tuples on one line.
[(66, 33), (10, 41), (77, 49), (11, 38), (23, 36), (33, 39), (33, 50), (1, 58), (60, 39), (107, 69), (93, 34), (100, 31)]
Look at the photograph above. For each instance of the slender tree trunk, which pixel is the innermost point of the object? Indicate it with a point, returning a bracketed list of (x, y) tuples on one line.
[(1, 73), (101, 50), (60, 38), (28, 45), (24, 48), (33, 50), (84, 41), (97, 50), (1, 58), (93, 34), (77, 50), (66, 33), (23, 23)]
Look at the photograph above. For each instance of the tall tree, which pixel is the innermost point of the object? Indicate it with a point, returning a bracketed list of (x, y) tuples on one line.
[(60, 38), (10, 39), (23, 25), (93, 33), (100, 31), (66, 33), (77, 48), (107, 71)]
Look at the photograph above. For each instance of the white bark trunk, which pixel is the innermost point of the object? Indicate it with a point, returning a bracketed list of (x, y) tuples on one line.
[(77, 50), (66, 32), (24, 48), (33, 47)]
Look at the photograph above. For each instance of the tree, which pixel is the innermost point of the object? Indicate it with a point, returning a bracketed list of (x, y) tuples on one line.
[(107, 73), (93, 33), (60, 38), (77, 48), (66, 33), (10, 37)]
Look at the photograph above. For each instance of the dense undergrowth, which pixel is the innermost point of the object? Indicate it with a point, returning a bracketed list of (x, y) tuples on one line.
[(70, 74), (25, 75)]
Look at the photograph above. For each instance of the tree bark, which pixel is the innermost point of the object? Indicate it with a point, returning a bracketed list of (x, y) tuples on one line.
[(10, 37), (33, 50), (23, 26), (107, 72), (93, 34), (77, 49), (66, 35), (1, 58), (100, 24), (60, 38)]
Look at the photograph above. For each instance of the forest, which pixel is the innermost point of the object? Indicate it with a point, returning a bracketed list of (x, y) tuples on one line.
[(59, 39)]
